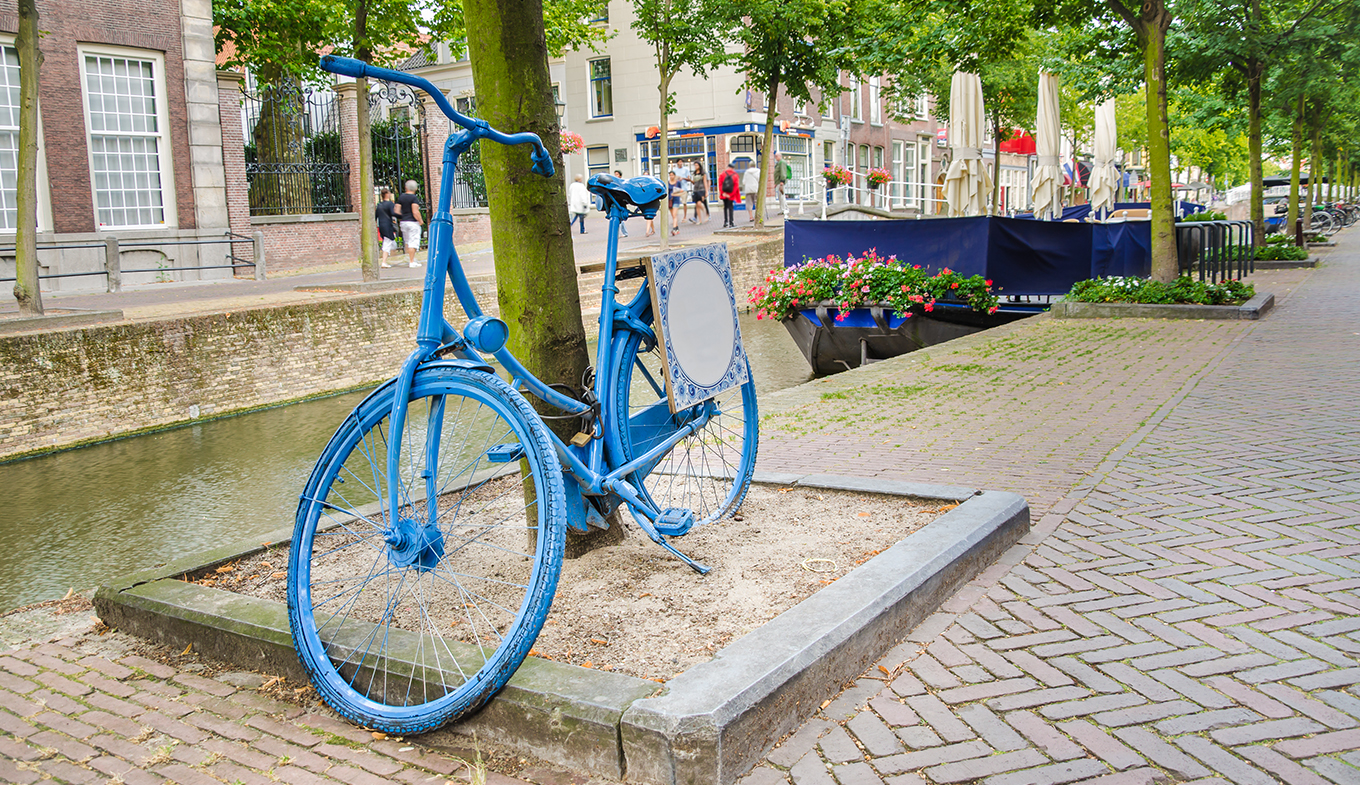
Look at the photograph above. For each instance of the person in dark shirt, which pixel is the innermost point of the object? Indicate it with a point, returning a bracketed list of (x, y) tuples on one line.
[(387, 225), (409, 221)]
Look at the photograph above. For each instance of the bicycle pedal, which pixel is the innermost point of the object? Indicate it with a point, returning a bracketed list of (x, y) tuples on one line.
[(505, 453), (674, 522)]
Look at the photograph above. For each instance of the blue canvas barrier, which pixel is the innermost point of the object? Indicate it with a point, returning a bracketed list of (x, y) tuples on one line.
[(1078, 212), (1021, 257)]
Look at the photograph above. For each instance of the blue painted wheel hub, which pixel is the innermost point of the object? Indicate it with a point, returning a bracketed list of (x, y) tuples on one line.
[(415, 543)]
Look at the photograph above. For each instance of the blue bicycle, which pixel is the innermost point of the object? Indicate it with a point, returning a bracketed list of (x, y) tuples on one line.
[(429, 537)]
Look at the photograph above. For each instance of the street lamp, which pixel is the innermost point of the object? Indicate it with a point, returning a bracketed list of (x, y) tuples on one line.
[(560, 106)]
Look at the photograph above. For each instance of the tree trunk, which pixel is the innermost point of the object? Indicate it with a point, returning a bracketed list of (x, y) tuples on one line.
[(1314, 184), (766, 156), (663, 216), (26, 285), (368, 262), (530, 228), (1294, 171), (1155, 21)]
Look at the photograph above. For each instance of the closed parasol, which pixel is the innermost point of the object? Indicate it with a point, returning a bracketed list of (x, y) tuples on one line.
[(1048, 178), (1104, 177), (967, 183)]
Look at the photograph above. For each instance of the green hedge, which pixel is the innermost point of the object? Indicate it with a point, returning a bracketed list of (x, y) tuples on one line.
[(1143, 290)]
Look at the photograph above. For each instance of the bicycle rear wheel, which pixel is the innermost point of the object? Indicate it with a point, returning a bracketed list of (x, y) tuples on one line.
[(708, 471), (1323, 223), (406, 619)]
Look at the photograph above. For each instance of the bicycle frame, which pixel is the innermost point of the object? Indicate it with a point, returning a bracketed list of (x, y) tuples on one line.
[(595, 465)]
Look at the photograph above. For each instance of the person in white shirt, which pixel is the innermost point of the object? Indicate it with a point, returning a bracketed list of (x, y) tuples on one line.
[(750, 184), (578, 202)]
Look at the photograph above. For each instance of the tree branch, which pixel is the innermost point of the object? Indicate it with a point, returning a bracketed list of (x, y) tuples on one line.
[(1123, 11)]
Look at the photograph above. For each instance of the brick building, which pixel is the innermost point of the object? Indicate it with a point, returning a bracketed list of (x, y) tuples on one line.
[(130, 142)]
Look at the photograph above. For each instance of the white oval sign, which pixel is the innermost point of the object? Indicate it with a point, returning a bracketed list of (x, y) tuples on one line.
[(701, 323)]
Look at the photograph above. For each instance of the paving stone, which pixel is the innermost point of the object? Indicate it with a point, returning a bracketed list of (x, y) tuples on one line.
[(810, 770), (919, 737), (1161, 753), (1277, 764), (1223, 762), (967, 770), (940, 718), (910, 761), (1054, 774), (1058, 711), (856, 774), (893, 711), (1206, 720), (799, 744), (877, 738), (1102, 744), (838, 747)]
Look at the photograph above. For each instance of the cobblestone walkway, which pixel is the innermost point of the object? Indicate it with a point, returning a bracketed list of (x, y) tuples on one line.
[(1189, 613)]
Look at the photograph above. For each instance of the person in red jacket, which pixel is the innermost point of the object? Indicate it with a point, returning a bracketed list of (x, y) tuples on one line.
[(729, 190)]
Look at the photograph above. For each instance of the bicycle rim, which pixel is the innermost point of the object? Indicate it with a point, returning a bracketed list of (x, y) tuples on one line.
[(406, 619), (708, 471)]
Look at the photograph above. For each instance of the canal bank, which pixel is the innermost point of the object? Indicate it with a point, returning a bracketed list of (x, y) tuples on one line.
[(216, 357)]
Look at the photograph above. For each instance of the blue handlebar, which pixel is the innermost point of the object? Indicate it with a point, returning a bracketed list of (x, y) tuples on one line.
[(347, 66)]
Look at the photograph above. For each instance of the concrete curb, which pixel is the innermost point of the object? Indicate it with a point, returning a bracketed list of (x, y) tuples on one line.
[(70, 317), (713, 722), (1254, 308), (1284, 264)]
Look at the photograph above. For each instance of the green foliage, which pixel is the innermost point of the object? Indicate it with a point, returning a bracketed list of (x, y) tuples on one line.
[(1142, 290), (801, 45), (1207, 215), (684, 34), (1286, 251), (867, 280)]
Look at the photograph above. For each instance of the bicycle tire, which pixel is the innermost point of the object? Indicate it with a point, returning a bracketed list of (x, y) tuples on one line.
[(1323, 223), (452, 621), (708, 472)]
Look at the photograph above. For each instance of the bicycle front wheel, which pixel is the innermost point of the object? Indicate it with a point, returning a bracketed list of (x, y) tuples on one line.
[(408, 618), (708, 471)]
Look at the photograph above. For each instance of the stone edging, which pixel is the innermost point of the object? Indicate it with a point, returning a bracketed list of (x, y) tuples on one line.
[(68, 317), (1254, 308), (708, 725)]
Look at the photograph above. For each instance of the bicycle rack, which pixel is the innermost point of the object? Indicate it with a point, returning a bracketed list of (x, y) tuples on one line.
[(1219, 249)]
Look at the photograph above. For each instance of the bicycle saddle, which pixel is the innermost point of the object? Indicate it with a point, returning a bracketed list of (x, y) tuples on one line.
[(643, 192)]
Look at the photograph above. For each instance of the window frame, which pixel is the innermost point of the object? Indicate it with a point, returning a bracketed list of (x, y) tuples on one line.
[(856, 100), (44, 184), (875, 104), (164, 151), (591, 97)]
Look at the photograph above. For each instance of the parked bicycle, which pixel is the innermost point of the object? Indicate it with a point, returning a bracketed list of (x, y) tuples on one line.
[(429, 538)]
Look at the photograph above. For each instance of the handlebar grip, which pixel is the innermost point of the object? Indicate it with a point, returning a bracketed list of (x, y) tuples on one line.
[(542, 161), (345, 66)]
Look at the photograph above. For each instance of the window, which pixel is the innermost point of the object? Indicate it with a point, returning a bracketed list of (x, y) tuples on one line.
[(828, 152), (863, 157), (878, 157), (800, 108), (923, 107), (129, 151), (743, 144), (9, 139), (875, 107), (597, 160), (856, 100), (895, 190), (601, 89)]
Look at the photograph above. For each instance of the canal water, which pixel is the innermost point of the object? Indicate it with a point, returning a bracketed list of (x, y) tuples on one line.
[(74, 519)]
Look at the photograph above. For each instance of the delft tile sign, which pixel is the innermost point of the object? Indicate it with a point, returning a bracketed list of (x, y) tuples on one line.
[(696, 309)]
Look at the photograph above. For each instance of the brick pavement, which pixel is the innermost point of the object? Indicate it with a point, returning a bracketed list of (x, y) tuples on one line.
[(1186, 607)]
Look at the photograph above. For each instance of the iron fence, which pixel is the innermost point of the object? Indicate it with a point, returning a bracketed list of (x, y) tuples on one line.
[(113, 269), (294, 159)]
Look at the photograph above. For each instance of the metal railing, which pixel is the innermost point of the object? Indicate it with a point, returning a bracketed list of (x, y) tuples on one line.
[(1219, 250), (893, 195), (113, 248)]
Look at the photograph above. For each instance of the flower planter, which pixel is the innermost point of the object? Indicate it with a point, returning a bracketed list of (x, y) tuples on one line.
[(875, 332)]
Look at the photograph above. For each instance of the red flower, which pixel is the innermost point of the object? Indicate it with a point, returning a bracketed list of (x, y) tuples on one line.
[(954, 285), (930, 306), (989, 283)]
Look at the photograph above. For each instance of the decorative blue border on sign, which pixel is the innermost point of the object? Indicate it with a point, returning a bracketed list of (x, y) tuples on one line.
[(684, 391)]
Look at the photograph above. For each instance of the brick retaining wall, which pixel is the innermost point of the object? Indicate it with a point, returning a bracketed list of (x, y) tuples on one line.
[(67, 387)]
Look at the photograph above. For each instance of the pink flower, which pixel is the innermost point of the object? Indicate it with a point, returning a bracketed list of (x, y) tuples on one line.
[(992, 309), (794, 303), (904, 287), (930, 306), (864, 289)]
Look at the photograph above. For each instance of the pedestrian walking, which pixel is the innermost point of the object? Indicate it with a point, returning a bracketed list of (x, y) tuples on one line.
[(387, 224), (699, 195), (623, 225), (676, 192), (578, 202), (409, 221), (750, 184), (782, 173), (729, 191)]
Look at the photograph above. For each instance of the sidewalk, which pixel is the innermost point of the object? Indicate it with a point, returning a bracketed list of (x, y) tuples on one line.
[(1184, 608), (157, 301)]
